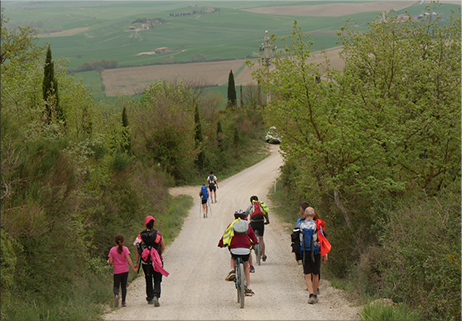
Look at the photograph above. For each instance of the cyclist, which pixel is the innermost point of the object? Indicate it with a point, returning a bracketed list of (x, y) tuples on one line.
[(258, 219), (239, 246)]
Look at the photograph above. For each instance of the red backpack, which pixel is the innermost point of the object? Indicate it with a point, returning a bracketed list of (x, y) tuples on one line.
[(256, 212)]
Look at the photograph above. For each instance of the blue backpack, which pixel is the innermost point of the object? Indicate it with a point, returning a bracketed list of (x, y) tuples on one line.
[(204, 193), (308, 238)]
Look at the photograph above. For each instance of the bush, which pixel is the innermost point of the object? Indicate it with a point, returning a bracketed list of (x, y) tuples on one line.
[(422, 246)]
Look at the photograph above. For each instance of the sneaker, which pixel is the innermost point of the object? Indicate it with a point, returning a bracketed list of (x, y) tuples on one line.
[(252, 269), (311, 300), (116, 300), (231, 276), (315, 298), (264, 258), (150, 302), (124, 305), (156, 301), (249, 292), (204, 215)]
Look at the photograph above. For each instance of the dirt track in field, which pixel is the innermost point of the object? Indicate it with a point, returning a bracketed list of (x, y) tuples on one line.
[(63, 33), (196, 289)]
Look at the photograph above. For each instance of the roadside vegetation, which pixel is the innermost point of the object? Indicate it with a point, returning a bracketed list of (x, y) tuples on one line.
[(375, 148), (76, 172)]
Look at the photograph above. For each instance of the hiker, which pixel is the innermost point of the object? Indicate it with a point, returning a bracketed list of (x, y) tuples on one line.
[(258, 212), (150, 246), (204, 194), (119, 257), (237, 237), (213, 185), (310, 252)]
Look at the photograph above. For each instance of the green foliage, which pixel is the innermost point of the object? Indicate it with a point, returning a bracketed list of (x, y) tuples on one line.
[(50, 91), (126, 139), (198, 137), (231, 91), (366, 146), (166, 123), (380, 311)]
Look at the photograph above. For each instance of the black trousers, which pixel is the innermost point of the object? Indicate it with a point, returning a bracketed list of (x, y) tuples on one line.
[(121, 279), (153, 281)]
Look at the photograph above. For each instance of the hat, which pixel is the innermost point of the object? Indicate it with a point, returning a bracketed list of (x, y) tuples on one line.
[(148, 219)]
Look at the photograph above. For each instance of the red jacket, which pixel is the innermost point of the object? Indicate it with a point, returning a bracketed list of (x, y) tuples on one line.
[(241, 241)]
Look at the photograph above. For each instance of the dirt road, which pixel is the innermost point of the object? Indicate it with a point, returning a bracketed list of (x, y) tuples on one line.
[(196, 289)]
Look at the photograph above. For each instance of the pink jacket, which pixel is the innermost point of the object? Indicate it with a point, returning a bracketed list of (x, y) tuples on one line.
[(155, 259)]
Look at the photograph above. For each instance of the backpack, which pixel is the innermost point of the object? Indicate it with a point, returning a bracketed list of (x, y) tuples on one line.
[(241, 227), (211, 180), (309, 238), (296, 246), (256, 212), (150, 239), (203, 193)]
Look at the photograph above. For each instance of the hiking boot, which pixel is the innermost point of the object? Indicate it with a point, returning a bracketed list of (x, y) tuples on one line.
[(124, 305), (116, 300), (204, 215), (150, 302), (311, 300), (249, 292), (156, 302), (264, 258), (315, 298), (231, 276), (252, 269)]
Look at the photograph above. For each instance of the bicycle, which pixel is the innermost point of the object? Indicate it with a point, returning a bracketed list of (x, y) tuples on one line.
[(240, 282), (258, 250)]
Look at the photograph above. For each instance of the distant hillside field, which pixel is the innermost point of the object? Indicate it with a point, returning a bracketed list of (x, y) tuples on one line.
[(332, 9), (133, 80), (111, 30)]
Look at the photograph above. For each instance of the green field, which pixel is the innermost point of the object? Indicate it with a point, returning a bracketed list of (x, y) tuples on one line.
[(229, 33)]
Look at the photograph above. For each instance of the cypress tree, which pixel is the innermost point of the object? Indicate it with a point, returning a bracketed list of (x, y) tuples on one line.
[(219, 136), (126, 141), (198, 137), (231, 90), (50, 90), (240, 96)]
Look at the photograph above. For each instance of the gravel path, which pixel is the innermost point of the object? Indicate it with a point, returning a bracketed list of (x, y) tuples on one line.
[(196, 289)]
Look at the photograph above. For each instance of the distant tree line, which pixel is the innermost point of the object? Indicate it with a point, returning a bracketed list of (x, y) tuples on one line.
[(150, 20), (97, 65)]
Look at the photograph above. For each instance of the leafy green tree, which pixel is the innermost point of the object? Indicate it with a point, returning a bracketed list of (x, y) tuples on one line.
[(198, 138), (231, 91), (165, 121), (384, 123)]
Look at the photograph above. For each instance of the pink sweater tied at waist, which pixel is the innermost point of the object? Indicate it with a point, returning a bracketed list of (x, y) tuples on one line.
[(155, 259)]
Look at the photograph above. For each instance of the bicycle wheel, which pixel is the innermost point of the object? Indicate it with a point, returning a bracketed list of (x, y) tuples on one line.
[(242, 286), (237, 280)]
